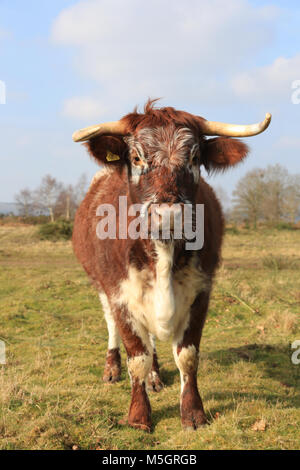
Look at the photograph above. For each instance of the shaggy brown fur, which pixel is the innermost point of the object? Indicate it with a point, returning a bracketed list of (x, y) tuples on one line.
[(107, 261)]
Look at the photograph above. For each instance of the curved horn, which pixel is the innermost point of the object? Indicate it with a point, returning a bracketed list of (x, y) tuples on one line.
[(114, 127), (235, 130)]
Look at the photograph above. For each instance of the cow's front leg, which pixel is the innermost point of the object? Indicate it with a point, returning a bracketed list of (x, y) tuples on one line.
[(112, 368), (139, 353), (154, 382), (186, 354)]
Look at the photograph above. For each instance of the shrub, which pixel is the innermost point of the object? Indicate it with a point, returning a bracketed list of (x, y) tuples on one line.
[(285, 226), (60, 230), (35, 219), (232, 229)]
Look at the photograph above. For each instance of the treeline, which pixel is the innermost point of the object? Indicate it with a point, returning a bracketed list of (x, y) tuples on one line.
[(52, 198), (269, 196)]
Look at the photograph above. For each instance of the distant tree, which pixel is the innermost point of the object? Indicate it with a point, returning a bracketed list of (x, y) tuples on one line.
[(47, 194), (248, 197), (276, 182), (270, 195), (70, 197), (26, 202), (66, 203), (54, 197), (80, 189), (291, 203)]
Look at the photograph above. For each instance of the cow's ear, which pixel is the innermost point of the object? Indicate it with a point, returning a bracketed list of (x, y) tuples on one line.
[(222, 152), (107, 149)]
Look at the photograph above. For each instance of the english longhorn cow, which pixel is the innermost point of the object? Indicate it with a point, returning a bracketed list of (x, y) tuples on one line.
[(153, 286)]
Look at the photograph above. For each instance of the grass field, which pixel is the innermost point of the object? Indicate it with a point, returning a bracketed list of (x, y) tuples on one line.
[(51, 393)]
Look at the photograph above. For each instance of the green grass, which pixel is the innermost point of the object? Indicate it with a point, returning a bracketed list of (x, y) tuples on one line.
[(51, 393)]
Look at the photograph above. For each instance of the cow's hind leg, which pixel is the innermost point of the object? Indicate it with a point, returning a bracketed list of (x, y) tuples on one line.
[(154, 382), (139, 353), (186, 354), (112, 368)]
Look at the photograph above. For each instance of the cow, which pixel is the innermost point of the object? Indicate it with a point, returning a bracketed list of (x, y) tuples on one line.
[(153, 286)]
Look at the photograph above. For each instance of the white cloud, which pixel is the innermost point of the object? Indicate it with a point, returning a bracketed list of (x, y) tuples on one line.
[(82, 108), (271, 83), (177, 50)]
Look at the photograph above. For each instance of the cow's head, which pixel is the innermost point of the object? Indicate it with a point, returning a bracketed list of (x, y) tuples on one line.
[(163, 150)]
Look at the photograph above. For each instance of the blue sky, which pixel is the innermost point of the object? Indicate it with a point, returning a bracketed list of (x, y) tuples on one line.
[(67, 64)]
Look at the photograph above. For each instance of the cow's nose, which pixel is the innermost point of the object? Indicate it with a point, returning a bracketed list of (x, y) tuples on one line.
[(169, 212)]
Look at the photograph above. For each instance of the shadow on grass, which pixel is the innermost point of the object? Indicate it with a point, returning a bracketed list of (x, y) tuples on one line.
[(171, 411), (168, 376), (274, 362), (236, 397)]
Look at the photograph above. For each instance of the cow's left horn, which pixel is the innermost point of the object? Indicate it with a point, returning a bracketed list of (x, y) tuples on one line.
[(235, 130), (114, 127)]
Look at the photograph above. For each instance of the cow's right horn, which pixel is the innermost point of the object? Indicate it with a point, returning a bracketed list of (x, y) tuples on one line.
[(114, 127)]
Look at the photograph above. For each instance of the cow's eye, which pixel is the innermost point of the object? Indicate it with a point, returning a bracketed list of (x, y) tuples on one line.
[(137, 159)]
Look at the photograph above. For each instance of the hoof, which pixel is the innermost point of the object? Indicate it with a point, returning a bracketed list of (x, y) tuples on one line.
[(112, 369), (139, 415), (154, 384), (111, 376), (146, 427), (193, 420), (142, 427)]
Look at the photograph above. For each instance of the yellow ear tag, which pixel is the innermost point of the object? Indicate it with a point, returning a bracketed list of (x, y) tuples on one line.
[(112, 157)]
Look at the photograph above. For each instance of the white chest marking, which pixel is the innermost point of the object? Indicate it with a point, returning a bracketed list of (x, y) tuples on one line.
[(161, 303)]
